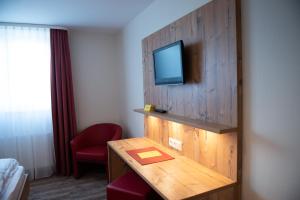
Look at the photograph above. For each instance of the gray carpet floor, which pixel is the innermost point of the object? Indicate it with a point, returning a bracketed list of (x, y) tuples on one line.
[(87, 187)]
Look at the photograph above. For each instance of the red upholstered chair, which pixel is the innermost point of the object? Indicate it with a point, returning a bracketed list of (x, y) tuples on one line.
[(130, 187), (91, 144)]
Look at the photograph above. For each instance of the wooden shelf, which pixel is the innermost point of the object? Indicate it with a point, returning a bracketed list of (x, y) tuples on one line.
[(208, 126)]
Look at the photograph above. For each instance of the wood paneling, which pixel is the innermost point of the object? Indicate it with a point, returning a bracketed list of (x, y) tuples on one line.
[(209, 36), (215, 151), (180, 178), (213, 92), (208, 126)]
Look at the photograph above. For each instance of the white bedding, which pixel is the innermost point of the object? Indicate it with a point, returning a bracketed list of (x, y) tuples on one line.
[(8, 168), (12, 180), (13, 189)]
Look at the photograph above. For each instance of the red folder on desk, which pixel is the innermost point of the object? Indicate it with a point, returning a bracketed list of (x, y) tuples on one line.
[(149, 155)]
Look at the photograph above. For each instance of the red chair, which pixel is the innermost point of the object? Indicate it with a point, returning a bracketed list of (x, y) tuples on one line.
[(91, 144)]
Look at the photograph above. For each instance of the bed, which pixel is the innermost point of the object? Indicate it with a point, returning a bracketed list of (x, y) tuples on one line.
[(14, 184)]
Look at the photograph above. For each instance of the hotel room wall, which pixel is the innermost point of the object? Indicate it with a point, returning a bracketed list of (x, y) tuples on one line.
[(271, 63), (95, 76), (271, 49)]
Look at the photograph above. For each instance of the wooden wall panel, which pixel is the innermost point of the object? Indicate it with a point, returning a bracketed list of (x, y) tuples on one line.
[(215, 151), (209, 36), (213, 89)]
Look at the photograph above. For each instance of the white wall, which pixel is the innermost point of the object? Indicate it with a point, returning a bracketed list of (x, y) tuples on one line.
[(271, 62), (159, 14), (271, 53), (95, 77)]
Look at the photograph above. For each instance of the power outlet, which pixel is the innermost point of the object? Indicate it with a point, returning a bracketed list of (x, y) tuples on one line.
[(174, 143)]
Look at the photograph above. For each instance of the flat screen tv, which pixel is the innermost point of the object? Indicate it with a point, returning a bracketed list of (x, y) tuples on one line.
[(168, 64)]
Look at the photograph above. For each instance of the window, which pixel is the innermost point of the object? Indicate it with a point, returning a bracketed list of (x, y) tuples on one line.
[(25, 101)]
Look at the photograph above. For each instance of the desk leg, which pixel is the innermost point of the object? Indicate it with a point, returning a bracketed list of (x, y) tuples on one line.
[(116, 166)]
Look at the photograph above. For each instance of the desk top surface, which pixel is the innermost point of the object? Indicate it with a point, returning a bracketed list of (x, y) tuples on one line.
[(179, 178)]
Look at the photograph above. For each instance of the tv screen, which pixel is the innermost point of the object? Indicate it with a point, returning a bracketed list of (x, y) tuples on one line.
[(168, 64)]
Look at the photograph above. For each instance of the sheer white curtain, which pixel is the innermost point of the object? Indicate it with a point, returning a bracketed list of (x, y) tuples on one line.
[(25, 101)]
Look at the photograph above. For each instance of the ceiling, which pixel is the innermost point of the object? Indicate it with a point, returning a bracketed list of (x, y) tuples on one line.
[(106, 15)]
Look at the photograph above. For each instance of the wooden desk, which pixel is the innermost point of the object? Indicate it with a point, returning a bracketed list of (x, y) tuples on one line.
[(180, 178)]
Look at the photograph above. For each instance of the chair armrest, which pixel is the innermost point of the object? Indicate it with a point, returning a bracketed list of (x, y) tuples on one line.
[(117, 135), (77, 142)]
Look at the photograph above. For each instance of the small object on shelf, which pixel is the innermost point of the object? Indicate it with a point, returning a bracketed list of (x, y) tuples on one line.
[(160, 110), (149, 108), (197, 123)]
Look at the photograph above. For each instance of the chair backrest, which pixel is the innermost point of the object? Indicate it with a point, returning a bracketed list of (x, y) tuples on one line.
[(101, 133)]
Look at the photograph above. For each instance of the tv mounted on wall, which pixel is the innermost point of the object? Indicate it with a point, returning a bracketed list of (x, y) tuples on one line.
[(168, 64)]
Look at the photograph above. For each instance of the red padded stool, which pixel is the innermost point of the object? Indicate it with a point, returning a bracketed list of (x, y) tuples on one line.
[(129, 187)]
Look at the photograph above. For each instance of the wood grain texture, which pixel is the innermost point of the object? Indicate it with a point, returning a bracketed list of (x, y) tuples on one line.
[(215, 151), (209, 36), (180, 178), (213, 92), (208, 126), (24, 192), (116, 166), (238, 187), (90, 186)]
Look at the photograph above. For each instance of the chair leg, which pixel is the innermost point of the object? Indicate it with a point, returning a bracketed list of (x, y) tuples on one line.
[(75, 169), (106, 172)]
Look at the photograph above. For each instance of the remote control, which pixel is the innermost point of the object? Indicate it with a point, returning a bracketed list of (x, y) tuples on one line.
[(160, 110)]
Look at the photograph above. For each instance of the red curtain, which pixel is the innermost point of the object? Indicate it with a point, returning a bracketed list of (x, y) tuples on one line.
[(62, 98)]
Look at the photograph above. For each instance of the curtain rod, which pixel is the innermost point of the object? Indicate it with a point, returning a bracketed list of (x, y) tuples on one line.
[(34, 25)]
